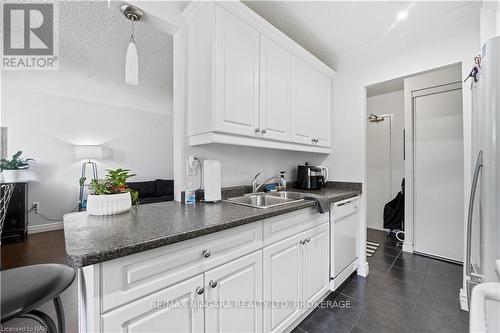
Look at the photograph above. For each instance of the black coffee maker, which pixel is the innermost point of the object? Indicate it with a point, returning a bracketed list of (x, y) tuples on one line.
[(311, 177)]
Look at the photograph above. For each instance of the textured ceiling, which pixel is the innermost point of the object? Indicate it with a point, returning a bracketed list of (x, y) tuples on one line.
[(336, 30), (93, 40)]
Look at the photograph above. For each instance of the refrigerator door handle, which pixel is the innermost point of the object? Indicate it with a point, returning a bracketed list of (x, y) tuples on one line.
[(475, 179)]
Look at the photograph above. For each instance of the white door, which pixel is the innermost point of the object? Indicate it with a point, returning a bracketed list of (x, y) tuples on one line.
[(304, 101), (321, 121), (316, 263), (169, 310), (275, 90), (438, 172), (236, 94), (239, 281), (379, 169), (282, 283)]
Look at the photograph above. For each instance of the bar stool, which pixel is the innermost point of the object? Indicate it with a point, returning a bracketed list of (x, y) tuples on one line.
[(24, 289)]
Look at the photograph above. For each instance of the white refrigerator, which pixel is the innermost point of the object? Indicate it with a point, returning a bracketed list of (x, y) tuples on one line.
[(483, 224)]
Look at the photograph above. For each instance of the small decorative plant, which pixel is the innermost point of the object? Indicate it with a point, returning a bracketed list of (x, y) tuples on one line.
[(16, 163), (111, 195), (13, 170), (114, 183)]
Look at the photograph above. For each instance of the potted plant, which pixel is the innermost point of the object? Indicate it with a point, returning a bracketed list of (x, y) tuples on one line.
[(111, 195), (13, 170)]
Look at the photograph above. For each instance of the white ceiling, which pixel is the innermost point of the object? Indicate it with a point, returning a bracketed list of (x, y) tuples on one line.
[(335, 30), (93, 41)]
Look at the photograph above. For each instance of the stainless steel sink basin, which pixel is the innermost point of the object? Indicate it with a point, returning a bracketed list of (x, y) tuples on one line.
[(267, 200), (287, 195)]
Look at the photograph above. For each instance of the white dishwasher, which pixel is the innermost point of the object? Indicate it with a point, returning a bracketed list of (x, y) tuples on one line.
[(344, 231)]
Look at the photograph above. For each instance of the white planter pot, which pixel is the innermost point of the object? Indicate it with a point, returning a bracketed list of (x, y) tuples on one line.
[(14, 176), (109, 204)]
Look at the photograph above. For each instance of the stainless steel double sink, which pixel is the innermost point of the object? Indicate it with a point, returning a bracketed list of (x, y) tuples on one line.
[(267, 200)]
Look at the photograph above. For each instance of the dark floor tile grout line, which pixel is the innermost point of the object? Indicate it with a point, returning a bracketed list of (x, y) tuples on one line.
[(418, 299)]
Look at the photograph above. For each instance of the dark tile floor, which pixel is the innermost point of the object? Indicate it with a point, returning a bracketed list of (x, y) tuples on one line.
[(403, 293)]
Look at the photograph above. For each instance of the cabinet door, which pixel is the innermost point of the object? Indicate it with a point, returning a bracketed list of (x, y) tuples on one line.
[(168, 310), (316, 263), (304, 102), (236, 284), (322, 119), (236, 94), (282, 283), (275, 90)]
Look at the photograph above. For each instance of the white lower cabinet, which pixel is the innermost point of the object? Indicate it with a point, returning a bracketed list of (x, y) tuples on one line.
[(236, 285), (316, 263), (170, 310), (236, 288), (295, 273), (282, 283)]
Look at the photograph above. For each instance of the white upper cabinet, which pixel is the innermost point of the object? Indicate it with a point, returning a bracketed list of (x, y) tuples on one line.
[(275, 90), (236, 75), (248, 84), (311, 105)]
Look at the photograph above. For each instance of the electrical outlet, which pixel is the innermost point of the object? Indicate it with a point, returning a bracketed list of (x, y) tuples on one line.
[(192, 166), (36, 206)]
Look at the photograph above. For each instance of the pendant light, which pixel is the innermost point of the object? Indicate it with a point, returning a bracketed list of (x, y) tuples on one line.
[(132, 59)]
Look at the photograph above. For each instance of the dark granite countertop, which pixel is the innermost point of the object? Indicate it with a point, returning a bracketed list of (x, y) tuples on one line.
[(94, 239)]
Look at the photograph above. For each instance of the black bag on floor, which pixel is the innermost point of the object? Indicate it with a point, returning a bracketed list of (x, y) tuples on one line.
[(394, 211)]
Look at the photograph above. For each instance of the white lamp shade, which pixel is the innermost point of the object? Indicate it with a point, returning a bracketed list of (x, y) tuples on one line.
[(132, 65), (88, 152)]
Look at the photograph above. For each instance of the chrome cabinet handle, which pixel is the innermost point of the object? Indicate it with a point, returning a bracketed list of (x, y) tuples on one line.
[(200, 290), (206, 253), (213, 283), (308, 239), (264, 131), (302, 242), (257, 130)]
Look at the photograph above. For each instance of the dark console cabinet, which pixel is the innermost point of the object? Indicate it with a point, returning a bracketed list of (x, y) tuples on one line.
[(16, 219)]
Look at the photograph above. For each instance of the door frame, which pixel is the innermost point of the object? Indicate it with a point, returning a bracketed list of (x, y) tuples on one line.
[(417, 86)]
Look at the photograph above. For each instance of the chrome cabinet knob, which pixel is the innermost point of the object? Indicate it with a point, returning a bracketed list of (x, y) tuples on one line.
[(308, 239), (257, 130), (303, 241), (213, 283), (206, 253), (200, 290), (264, 131)]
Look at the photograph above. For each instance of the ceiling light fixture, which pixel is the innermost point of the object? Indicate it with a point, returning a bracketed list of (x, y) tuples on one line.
[(132, 59), (402, 15)]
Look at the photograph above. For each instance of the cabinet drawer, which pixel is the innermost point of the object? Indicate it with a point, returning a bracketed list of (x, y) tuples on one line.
[(283, 226), (170, 309), (132, 277)]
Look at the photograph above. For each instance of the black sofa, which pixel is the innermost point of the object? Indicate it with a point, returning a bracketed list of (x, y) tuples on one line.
[(154, 191)]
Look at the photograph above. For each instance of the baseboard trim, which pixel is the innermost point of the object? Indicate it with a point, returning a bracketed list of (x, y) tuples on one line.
[(35, 229), (408, 247), (363, 269)]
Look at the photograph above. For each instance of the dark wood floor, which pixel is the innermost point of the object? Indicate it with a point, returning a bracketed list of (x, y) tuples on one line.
[(46, 247)]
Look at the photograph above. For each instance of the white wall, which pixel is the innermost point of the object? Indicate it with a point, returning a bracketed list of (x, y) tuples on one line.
[(451, 41), (47, 113), (384, 159), (241, 164)]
